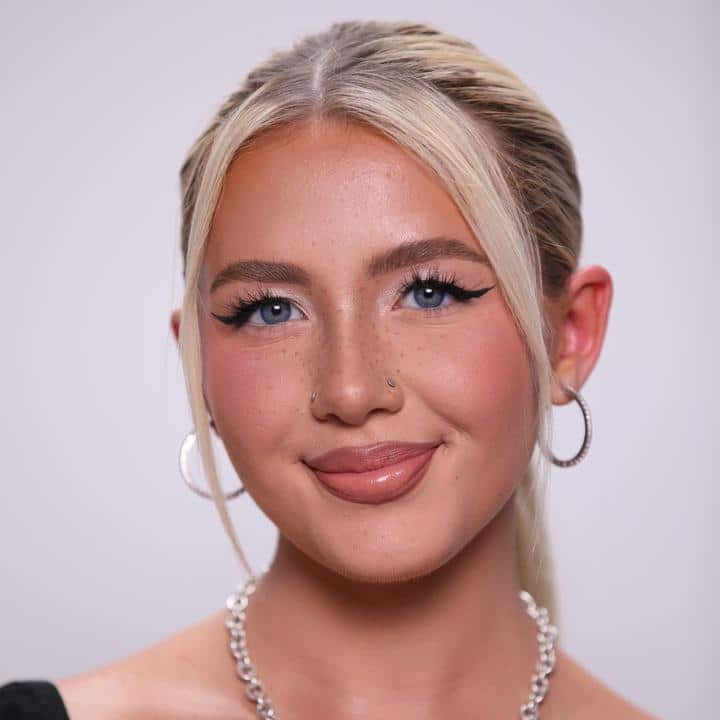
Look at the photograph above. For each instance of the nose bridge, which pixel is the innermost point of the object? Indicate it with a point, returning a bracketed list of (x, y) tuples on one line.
[(354, 362), (355, 344)]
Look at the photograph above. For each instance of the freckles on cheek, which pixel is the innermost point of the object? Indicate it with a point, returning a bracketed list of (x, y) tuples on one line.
[(250, 390)]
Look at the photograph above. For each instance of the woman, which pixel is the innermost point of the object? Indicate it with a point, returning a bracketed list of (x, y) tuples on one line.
[(381, 234)]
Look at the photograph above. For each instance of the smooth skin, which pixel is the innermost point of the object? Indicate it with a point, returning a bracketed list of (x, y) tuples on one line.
[(406, 610)]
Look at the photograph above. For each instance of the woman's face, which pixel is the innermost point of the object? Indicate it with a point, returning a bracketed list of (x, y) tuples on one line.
[(328, 198)]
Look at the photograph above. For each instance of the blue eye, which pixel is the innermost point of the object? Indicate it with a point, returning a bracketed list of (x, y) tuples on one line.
[(273, 310), (428, 292)]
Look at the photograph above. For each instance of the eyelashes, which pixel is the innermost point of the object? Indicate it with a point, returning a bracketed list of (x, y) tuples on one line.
[(244, 307), (444, 283)]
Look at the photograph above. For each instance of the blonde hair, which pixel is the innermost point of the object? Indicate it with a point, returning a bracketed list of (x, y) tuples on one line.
[(501, 154)]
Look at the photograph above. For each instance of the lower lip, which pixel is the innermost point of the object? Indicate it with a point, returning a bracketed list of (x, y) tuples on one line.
[(377, 486)]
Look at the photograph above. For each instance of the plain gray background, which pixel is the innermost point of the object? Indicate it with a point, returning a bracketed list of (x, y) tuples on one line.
[(103, 549)]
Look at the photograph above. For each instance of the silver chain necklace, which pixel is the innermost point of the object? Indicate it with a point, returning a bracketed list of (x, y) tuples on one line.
[(238, 601)]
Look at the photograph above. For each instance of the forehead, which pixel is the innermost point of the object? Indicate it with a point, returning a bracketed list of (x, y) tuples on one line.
[(329, 192)]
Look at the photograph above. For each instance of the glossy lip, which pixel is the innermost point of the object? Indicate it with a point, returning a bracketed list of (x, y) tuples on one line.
[(381, 484), (367, 457)]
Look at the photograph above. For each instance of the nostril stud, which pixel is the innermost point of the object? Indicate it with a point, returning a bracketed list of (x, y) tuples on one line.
[(389, 381)]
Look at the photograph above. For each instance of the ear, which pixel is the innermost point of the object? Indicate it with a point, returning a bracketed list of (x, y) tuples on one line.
[(580, 321), (175, 323)]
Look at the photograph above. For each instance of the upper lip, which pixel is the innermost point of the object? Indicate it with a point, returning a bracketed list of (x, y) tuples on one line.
[(367, 457)]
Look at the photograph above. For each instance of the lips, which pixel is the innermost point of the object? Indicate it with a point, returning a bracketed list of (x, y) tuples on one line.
[(368, 457), (377, 474)]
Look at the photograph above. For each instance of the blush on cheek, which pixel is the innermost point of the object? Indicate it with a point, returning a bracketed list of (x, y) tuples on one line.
[(491, 387), (251, 391)]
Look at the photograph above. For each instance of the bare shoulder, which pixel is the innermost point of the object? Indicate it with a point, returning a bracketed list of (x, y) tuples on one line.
[(187, 675), (111, 692), (583, 696)]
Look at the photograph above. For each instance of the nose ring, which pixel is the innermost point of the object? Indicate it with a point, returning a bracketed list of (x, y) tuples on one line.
[(389, 381)]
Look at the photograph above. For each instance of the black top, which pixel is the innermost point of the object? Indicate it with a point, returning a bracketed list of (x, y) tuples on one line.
[(31, 700)]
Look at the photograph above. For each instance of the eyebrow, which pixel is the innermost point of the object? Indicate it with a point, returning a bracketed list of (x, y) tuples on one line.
[(409, 253)]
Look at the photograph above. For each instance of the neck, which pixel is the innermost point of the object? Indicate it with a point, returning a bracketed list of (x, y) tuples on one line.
[(458, 637)]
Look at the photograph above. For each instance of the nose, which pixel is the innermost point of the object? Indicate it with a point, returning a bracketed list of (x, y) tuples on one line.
[(351, 382)]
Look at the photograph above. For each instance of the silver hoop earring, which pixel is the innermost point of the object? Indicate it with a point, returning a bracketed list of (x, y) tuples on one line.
[(185, 449), (582, 452)]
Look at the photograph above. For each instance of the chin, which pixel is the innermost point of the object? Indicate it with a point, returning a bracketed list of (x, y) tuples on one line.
[(392, 573), (383, 558)]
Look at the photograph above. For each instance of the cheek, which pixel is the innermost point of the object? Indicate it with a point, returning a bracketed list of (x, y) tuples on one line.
[(255, 393), (480, 381), (498, 393)]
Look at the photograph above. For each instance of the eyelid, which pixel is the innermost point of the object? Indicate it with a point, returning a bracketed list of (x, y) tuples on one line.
[(427, 276), (261, 292), (242, 307), (246, 305)]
